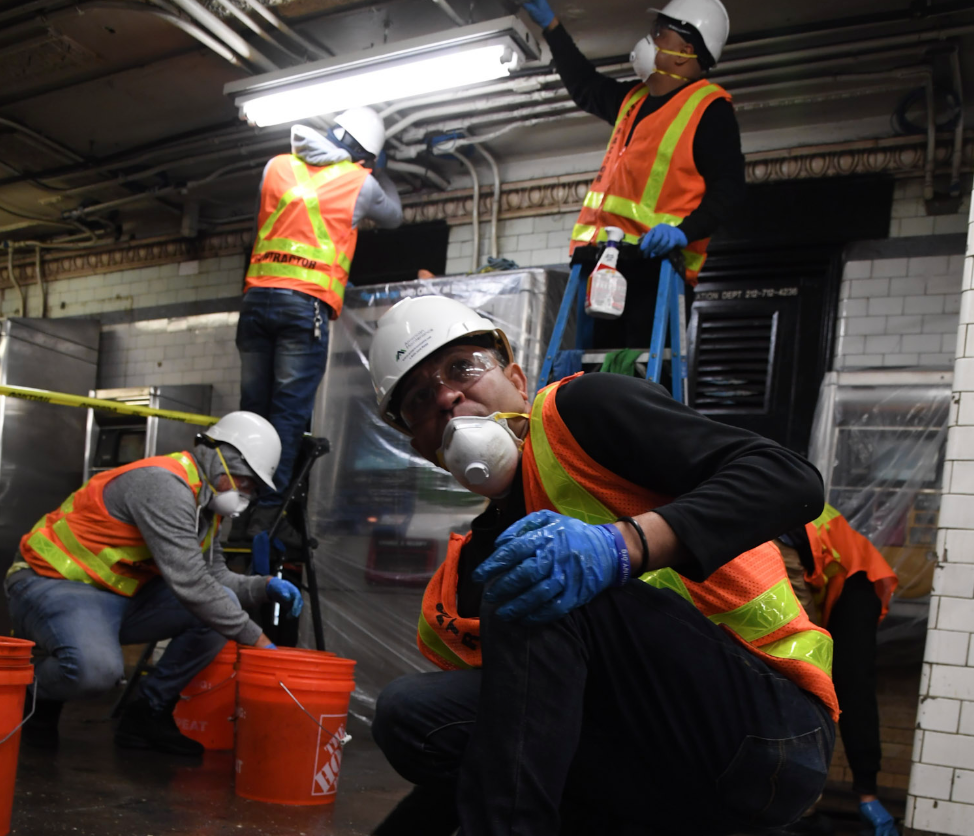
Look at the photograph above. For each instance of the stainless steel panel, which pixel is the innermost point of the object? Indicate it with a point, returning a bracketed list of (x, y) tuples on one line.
[(41, 445)]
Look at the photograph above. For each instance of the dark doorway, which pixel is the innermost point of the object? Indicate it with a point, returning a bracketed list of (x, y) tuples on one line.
[(384, 256)]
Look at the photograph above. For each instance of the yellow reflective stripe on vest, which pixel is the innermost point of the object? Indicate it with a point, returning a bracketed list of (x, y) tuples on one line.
[(667, 579), (292, 271), (346, 264), (826, 517), (664, 152), (808, 646), (438, 646), (306, 189), (565, 493), (586, 234), (593, 200), (761, 616), (98, 563), (189, 466), (58, 559), (625, 208), (637, 97)]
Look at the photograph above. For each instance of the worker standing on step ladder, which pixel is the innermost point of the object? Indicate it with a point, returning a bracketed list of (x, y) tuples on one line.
[(673, 169), (311, 204), (622, 652), (131, 557)]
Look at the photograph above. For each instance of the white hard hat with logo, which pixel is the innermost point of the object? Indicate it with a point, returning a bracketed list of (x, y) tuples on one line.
[(366, 126), (254, 438), (708, 17), (412, 330)]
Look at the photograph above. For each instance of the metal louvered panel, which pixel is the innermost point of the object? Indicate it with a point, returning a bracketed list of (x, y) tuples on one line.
[(735, 358)]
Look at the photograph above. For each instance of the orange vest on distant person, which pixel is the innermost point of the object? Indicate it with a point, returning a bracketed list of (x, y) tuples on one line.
[(306, 240), (839, 551), (81, 541), (750, 596), (652, 179)]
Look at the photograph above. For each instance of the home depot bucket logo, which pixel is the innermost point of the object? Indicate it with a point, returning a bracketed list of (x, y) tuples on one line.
[(328, 757)]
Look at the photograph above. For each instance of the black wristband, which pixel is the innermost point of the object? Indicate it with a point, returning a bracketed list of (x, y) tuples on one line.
[(642, 540)]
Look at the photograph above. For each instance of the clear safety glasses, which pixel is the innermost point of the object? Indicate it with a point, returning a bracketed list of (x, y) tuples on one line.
[(458, 369)]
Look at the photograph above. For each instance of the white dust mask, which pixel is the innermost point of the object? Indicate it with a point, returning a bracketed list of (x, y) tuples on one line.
[(481, 453), (643, 58), (231, 503)]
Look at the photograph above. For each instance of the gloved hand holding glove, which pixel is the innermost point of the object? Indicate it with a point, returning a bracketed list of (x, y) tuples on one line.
[(874, 813), (541, 13), (547, 564), (286, 594), (660, 240)]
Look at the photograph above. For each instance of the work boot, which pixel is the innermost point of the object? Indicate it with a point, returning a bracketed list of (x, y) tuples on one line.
[(140, 727), (40, 731), (263, 518)]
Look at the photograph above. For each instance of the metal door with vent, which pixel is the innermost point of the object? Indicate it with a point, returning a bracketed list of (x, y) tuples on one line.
[(760, 340)]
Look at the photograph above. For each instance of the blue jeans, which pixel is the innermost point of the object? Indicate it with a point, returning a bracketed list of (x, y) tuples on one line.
[(83, 629), (281, 365), (631, 716)]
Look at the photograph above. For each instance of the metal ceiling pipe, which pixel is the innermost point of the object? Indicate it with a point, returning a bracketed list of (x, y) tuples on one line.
[(210, 21), (475, 210), (43, 140), (495, 206), (447, 9), (486, 118), (280, 25), (419, 170), (928, 161), (955, 188), (253, 27)]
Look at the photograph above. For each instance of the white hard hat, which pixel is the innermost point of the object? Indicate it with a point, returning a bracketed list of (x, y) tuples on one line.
[(366, 126), (708, 17), (412, 330), (254, 438)]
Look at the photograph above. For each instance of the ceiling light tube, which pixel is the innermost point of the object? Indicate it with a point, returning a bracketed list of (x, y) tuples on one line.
[(458, 58)]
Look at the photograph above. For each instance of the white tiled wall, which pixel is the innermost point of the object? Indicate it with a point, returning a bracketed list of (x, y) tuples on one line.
[(193, 349), (144, 287), (941, 797), (531, 242), (909, 216), (899, 312)]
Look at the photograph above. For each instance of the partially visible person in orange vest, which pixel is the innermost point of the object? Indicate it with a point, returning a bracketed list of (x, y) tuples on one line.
[(311, 204), (621, 649), (133, 556), (673, 170), (850, 585)]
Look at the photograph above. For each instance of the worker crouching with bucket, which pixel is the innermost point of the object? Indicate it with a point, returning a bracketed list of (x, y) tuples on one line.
[(622, 652)]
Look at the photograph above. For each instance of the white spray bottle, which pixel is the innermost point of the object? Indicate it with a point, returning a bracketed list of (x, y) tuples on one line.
[(605, 294)]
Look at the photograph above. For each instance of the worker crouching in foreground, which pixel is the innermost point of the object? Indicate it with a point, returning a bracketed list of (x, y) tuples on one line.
[(133, 556), (849, 585), (576, 699), (673, 170), (311, 204)]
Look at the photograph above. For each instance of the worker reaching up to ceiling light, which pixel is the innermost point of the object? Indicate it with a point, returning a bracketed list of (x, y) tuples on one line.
[(131, 557), (311, 204), (622, 650), (673, 170)]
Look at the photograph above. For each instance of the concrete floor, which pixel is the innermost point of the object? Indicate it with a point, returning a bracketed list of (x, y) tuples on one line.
[(91, 788)]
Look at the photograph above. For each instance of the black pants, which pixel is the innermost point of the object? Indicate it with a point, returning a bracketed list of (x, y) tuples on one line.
[(634, 329), (632, 715), (852, 624)]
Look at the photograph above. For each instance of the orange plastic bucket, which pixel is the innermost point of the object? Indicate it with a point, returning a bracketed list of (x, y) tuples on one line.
[(206, 707), (292, 708), (15, 653), (13, 688)]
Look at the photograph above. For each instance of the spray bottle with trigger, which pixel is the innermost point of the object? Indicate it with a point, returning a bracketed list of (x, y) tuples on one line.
[(605, 294)]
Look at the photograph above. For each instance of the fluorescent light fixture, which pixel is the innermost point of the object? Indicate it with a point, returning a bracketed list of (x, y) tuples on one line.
[(445, 61)]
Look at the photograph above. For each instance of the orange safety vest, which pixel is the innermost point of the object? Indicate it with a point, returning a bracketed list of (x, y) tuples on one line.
[(81, 541), (750, 596), (306, 239), (839, 551), (652, 180)]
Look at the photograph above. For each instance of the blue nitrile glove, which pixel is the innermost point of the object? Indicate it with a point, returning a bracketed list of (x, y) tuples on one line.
[(660, 240), (548, 564), (874, 813), (284, 592), (260, 552), (540, 12), (270, 646), (382, 160)]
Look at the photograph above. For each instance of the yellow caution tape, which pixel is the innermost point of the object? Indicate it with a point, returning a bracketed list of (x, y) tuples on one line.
[(119, 408)]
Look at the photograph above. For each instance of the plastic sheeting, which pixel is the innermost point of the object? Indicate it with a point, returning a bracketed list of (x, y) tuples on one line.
[(879, 439), (382, 514)]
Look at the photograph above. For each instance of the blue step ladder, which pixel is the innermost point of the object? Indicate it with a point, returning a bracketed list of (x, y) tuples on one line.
[(669, 313)]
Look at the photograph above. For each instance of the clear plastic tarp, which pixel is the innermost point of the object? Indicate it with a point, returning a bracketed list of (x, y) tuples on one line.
[(879, 439), (382, 514)]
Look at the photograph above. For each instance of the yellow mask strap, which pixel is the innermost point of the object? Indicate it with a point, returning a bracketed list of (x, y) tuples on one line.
[(678, 54), (672, 75), (499, 415), (223, 461)]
